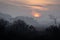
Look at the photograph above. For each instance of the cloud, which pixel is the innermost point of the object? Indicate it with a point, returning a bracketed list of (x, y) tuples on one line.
[(33, 4), (42, 5), (36, 1), (22, 3), (38, 5), (39, 8)]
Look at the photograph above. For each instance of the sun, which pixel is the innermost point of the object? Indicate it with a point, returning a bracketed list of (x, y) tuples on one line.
[(36, 14)]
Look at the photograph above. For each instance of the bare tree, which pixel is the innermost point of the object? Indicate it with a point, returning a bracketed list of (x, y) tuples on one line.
[(54, 18)]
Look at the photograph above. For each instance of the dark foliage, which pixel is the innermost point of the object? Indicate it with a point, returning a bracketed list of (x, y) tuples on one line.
[(20, 30)]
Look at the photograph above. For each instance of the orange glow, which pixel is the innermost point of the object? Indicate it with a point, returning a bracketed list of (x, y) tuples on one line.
[(38, 2), (36, 15), (41, 2)]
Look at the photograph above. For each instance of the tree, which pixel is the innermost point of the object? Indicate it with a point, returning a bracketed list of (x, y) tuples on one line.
[(53, 18), (53, 28), (19, 26), (3, 24), (31, 28)]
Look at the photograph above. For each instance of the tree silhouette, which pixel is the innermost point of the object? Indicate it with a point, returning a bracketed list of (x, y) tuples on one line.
[(3, 24), (54, 18), (19, 26), (53, 28), (31, 28)]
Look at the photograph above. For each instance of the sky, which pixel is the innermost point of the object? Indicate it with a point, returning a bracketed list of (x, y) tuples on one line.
[(27, 7)]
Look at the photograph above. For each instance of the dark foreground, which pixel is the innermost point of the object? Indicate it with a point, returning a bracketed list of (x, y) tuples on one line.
[(20, 30)]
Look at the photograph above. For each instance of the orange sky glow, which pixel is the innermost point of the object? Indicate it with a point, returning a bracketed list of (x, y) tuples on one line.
[(36, 14)]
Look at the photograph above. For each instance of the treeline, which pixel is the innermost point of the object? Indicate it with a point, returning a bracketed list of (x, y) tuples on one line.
[(20, 30)]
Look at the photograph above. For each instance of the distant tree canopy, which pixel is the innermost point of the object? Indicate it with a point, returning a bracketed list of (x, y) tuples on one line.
[(21, 26), (17, 26), (53, 28)]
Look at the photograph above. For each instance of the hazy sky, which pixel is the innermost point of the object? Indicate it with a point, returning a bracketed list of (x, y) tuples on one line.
[(26, 7)]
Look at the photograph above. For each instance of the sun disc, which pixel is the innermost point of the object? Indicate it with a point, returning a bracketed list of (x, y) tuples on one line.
[(36, 15)]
